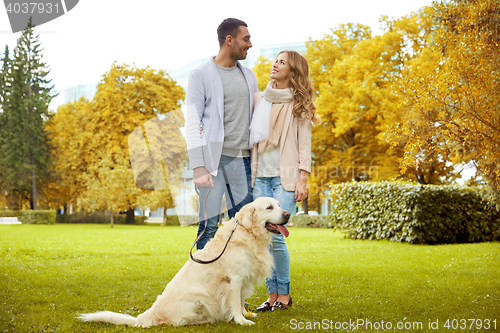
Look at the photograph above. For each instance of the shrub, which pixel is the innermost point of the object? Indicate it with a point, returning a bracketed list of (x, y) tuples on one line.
[(38, 217), (185, 220), (97, 217), (310, 221), (412, 213), (11, 213)]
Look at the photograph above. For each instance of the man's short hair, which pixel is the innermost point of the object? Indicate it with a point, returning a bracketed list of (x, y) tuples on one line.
[(229, 27)]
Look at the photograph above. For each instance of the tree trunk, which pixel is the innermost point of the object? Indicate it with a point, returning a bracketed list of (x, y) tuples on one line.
[(305, 205), (33, 182), (33, 170), (130, 219), (112, 213), (165, 217)]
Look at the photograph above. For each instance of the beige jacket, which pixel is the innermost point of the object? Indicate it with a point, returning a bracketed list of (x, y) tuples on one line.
[(295, 149)]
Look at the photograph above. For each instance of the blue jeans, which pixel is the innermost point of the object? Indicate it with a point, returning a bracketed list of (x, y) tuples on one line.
[(280, 278), (237, 180)]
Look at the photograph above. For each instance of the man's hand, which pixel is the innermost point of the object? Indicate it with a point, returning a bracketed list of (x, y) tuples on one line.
[(201, 177)]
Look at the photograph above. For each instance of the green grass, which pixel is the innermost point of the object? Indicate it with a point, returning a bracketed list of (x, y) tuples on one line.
[(51, 273)]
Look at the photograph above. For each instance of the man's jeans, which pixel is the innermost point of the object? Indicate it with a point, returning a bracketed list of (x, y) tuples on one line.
[(233, 176)]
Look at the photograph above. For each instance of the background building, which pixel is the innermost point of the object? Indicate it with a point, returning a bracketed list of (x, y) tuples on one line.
[(74, 93)]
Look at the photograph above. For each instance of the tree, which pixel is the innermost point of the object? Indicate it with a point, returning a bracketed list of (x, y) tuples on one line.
[(262, 70), (349, 69), (108, 185), (93, 140), (353, 74), (5, 85), (25, 146), (450, 92), (67, 131)]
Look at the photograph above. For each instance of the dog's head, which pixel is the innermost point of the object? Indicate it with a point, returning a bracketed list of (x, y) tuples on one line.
[(265, 213)]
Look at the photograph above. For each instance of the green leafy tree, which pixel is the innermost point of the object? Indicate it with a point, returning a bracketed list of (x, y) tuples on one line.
[(5, 85), (25, 157)]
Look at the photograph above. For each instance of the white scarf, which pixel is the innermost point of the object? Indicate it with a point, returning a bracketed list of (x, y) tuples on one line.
[(259, 128)]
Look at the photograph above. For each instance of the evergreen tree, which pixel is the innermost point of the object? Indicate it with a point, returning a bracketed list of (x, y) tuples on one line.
[(24, 143), (5, 85)]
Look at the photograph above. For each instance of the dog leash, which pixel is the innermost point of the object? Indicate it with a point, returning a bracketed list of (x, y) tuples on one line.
[(205, 215)]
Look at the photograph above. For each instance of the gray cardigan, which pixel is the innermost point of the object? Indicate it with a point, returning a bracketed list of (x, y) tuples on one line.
[(205, 107)]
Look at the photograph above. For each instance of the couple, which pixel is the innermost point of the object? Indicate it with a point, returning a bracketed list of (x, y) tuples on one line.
[(248, 144)]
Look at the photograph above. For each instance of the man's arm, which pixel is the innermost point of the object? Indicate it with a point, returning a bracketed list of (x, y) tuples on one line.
[(195, 109)]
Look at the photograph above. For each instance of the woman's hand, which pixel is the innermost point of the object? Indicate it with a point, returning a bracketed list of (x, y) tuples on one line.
[(301, 187)]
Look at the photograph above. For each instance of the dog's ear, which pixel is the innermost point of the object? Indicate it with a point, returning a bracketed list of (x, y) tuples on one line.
[(246, 216)]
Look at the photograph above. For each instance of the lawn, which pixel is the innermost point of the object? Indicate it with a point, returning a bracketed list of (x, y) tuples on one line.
[(51, 273)]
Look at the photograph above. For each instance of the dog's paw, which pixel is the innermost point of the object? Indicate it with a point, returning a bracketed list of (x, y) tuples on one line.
[(243, 321), (247, 322)]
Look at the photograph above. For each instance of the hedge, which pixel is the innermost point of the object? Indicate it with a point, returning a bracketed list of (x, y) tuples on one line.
[(11, 213), (183, 220), (310, 221), (99, 218), (404, 212), (38, 217)]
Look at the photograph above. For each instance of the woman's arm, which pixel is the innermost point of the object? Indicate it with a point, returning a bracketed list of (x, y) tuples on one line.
[(304, 140)]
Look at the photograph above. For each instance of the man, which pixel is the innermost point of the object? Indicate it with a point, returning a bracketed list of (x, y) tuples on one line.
[(219, 105)]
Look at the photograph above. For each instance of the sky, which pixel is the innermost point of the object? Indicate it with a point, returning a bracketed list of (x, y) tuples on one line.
[(81, 45)]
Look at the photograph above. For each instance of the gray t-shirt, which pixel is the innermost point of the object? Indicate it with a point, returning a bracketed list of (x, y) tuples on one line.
[(236, 112)]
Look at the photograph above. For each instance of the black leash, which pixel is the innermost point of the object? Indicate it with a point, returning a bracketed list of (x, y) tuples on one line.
[(205, 215)]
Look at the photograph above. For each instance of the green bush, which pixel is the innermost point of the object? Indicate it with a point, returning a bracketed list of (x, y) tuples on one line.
[(412, 213), (38, 217), (173, 220), (188, 219), (310, 221), (11, 213), (98, 217)]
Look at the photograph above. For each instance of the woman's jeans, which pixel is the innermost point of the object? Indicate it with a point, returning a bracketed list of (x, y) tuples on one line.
[(280, 279)]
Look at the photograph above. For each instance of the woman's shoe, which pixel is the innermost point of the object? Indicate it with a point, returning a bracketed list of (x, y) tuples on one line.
[(280, 306), (266, 306)]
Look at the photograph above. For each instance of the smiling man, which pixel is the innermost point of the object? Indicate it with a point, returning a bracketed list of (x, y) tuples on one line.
[(219, 103)]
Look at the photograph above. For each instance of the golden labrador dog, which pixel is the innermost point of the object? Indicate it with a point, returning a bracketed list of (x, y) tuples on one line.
[(208, 293)]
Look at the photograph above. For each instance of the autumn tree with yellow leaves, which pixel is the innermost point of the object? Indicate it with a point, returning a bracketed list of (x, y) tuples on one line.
[(93, 141), (262, 70), (450, 93), (352, 73)]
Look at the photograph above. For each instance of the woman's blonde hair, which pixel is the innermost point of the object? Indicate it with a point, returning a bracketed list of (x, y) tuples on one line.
[(302, 87)]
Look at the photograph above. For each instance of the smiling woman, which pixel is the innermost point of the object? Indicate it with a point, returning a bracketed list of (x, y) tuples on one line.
[(280, 134)]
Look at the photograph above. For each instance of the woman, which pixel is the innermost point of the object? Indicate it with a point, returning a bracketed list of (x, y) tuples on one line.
[(280, 134)]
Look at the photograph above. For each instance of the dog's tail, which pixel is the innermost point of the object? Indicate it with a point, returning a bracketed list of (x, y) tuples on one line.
[(109, 317)]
